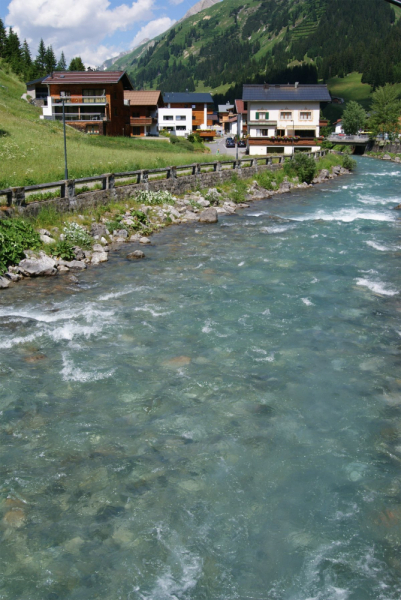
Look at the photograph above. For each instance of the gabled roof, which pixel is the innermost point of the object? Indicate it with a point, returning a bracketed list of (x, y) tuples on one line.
[(287, 92), (187, 97), (240, 107), (225, 107), (88, 77), (36, 80), (143, 98)]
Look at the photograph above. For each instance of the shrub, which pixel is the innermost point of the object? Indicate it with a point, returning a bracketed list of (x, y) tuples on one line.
[(304, 166), (155, 198), (239, 190), (63, 249), (77, 235), (16, 236), (349, 163)]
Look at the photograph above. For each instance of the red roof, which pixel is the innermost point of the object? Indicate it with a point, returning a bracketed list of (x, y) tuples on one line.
[(90, 77), (239, 107)]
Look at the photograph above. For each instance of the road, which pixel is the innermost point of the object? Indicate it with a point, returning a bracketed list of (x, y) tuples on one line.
[(219, 147)]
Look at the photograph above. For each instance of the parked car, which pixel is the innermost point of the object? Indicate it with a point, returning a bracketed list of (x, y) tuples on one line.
[(230, 143), (242, 144)]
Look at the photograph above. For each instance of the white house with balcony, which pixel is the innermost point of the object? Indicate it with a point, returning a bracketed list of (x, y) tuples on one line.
[(177, 121), (185, 112), (283, 119)]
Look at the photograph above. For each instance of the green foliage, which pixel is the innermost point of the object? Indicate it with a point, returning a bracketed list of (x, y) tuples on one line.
[(386, 111), (63, 249), (239, 189), (265, 179), (76, 64), (77, 235), (304, 166), (354, 118), (349, 163), (183, 142), (16, 235)]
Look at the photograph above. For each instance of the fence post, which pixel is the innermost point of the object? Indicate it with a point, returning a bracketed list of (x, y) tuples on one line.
[(18, 196), (173, 172), (9, 196), (70, 188), (62, 190), (111, 181), (196, 169), (218, 166)]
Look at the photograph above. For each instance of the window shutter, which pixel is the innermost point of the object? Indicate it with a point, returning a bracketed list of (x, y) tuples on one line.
[(267, 116), (257, 116)]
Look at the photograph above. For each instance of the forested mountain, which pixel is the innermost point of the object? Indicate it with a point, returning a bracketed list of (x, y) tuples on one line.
[(237, 41)]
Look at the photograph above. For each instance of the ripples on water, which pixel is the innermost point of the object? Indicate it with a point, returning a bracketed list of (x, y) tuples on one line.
[(219, 421)]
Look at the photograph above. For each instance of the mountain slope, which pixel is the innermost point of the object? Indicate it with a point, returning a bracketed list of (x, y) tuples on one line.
[(237, 41)]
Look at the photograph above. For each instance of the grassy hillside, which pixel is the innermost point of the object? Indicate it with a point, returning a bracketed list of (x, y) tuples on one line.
[(31, 150)]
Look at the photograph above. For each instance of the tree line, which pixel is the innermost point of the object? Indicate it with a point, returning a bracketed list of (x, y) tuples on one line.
[(19, 58)]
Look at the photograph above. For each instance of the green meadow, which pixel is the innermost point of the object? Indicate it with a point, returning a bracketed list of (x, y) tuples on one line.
[(32, 151)]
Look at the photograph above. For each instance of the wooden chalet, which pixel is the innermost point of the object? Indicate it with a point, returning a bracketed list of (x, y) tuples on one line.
[(143, 111)]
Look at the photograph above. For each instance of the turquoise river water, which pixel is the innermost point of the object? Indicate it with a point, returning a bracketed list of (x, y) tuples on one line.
[(220, 421)]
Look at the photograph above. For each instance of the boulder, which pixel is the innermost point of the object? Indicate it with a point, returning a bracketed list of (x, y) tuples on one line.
[(324, 174), (13, 276), (98, 257), (285, 187), (120, 233), (135, 255), (77, 265), (344, 171), (386, 157), (45, 232), (144, 240), (38, 266), (135, 238), (336, 170), (45, 239), (62, 269), (229, 207), (397, 159), (99, 248), (78, 253), (98, 229), (4, 283), (190, 216), (103, 241), (209, 216), (203, 202), (73, 279)]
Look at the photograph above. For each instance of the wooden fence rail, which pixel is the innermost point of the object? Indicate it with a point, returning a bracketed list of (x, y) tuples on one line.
[(16, 196)]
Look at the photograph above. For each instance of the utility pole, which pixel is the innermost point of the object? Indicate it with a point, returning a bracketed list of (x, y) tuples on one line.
[(65, 144)]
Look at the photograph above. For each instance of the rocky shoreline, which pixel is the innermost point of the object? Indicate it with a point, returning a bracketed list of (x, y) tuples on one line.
[(191, 208)]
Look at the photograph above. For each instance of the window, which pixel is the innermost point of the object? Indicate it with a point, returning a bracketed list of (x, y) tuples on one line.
[(93, 96), (181, 128), (305, 116), (194, 106), (168, 118), (286, 116), (262, 115), (65, 94), (264, 132), (92, 129), (181, 118)]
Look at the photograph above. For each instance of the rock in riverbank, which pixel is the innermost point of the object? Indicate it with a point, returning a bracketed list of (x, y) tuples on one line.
[(38, 266), (137, 254), (209, 216)]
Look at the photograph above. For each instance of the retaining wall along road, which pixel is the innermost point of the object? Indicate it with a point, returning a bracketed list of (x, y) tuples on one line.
[(177, 180)]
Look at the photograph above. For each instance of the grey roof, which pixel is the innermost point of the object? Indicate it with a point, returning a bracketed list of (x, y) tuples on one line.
[(187, 97), (36, 80), (287, 92), (225, 107)]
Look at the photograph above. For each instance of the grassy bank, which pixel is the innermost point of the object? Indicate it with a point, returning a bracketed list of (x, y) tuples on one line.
[(31, 150)]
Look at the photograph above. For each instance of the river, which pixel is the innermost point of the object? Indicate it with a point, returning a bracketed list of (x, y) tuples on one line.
[(219, 421)]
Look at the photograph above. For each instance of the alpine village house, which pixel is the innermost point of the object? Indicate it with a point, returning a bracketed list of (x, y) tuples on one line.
[(277, 119)]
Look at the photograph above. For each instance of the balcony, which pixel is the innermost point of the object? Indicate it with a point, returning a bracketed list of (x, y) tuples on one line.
[(206, 133), (79, 100), (135, 121), (288, 141), (89, 117), (262, 122)]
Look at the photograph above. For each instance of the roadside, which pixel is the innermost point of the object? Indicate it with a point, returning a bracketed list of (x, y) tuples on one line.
[(219, 147)]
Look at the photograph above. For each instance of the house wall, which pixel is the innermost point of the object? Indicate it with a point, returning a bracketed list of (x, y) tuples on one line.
[(143, 112), (287, 150), (117, 113), (198, 112), (275, 108), (174, 123)]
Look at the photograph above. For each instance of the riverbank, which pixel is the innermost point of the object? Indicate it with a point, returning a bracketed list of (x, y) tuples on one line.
[(61, 244)]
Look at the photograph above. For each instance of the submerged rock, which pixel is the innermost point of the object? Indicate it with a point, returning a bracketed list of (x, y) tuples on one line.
[(4, 283), (176, 362), (209, 216), (144, 240), (98, 257), (135, 255)]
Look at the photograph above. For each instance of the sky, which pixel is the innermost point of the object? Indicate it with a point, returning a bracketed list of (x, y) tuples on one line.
[(92, 29)]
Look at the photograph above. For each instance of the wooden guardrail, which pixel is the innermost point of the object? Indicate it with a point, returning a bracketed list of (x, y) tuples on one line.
[(17, 195)]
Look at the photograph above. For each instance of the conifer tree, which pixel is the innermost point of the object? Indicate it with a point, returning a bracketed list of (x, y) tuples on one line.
[(50, 60), (40, 61), (62, 63), (26, 55), (3, 39)]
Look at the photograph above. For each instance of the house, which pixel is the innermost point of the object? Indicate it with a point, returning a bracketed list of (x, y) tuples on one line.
[(37, 91), (143, 111), (282, 118), (338, 127), (242, 115), (93, 100), (228, 119), (185, 112)]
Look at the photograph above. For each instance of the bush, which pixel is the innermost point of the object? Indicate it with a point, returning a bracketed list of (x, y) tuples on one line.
[(64, 250), (77, 235), (155, 198), (349, 163), (238, 192), (304, 166), (16, 236)]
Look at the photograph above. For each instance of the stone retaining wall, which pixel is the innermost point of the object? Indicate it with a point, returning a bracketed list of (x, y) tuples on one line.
[(179, 185)]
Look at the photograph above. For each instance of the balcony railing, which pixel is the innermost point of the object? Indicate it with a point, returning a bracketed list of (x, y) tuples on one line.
[(81, 117), (274, 141), (79, 99), (142, 120)]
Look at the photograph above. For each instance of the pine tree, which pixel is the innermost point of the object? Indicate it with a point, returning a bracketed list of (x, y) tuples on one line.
[(13, 51), (76, 64), (3, 39), (62, 63), (40, 61), (26, 55), (50, 60)]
